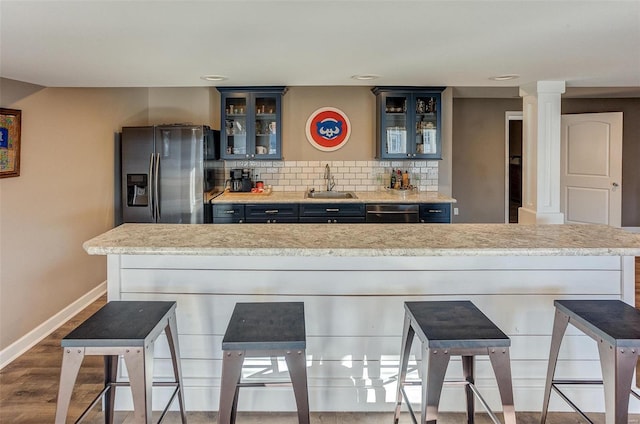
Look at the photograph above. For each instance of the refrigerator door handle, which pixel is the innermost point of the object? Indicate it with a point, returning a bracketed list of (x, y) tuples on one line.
[(150, 188), (157, 190)]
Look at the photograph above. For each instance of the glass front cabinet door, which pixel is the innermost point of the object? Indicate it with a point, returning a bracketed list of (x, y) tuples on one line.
[(408, 123), (251, 119)]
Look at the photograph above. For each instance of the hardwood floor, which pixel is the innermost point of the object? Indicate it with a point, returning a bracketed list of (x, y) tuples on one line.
[(29, 388)]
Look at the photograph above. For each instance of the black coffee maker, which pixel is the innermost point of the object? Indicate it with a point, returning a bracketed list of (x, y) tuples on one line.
[(240, 180)]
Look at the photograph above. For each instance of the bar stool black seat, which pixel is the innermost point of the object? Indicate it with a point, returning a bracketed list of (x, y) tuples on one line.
[(127, 328), (447, 328), (615, 326), (267, 329)]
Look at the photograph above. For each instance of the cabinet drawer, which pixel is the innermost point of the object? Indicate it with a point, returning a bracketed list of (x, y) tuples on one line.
[(330, 210), (226, 213), (435, 212), (271, 212), (332, 220)]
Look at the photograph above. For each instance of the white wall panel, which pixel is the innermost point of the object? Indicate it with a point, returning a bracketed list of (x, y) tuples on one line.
[(354, 310)]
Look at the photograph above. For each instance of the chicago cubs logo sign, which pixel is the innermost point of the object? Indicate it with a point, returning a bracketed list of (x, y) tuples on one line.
[(328, 129)]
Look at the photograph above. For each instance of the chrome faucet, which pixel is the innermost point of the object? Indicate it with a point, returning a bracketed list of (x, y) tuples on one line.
[(327, 176)]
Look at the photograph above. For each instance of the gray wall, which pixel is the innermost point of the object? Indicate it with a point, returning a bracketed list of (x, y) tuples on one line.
[(630, 109), (478, 154), (479, 157)]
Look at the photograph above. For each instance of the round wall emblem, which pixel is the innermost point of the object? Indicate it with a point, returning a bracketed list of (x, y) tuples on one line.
[(328, 129)]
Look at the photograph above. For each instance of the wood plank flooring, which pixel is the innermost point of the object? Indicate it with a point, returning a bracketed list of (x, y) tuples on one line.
[(29, 388)]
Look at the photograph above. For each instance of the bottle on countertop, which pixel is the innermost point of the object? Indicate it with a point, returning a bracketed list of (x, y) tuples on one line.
[(405, 179), (392, 183), (398, 183)]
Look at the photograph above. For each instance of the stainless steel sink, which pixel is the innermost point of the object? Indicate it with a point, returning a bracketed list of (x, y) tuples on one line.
[(330, 195)]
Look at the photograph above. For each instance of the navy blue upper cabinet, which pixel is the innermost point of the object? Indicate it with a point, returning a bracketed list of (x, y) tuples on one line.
[(252, 122), (408, 123)]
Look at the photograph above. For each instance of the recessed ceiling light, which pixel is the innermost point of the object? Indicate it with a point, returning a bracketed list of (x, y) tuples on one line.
[(506, 77), (214, 78), (365, 77)]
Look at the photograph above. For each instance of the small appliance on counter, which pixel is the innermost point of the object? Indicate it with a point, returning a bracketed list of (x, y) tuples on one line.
[(240, 180)]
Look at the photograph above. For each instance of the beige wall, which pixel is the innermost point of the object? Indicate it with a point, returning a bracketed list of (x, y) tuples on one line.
[(358, 103), (194, 105), (63, 196)]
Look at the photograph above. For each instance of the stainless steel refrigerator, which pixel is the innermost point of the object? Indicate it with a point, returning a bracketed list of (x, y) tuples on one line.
[(164, 177)]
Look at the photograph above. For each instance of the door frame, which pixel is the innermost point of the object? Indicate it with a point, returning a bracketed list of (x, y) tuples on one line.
[(508, 116)]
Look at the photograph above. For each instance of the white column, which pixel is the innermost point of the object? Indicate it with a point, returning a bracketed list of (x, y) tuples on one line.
[(541, 153)]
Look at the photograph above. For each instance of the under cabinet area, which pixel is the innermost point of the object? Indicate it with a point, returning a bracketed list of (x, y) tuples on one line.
[(329, 213)]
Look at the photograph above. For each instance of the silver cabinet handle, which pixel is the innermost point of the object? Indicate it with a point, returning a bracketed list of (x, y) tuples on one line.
[(271, 211), (332, 210), (435, 211), (230, 211)]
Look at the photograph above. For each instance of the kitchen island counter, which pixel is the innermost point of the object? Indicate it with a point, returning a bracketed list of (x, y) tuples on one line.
[(354, 280), (357, 240)]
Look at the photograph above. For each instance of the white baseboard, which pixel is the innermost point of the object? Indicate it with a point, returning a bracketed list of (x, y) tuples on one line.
[(30, 339), (632, 229)]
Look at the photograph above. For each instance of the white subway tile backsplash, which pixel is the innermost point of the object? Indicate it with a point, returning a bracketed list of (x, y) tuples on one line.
[(348, 175)]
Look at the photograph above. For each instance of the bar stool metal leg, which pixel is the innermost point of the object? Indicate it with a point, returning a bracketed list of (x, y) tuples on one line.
[(502, 369), (560, 323), (231, 372), (171, 331), (405, 350), (297, 364), (436, 368), (71, 360), (617, 374), (139, 364), (110, 377), (468, 372)]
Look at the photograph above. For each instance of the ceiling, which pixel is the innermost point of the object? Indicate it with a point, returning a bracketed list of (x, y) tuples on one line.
[(95, 43)]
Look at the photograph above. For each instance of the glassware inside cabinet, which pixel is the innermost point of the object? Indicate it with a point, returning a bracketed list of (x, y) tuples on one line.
[(235, 140), (396, 125), (426, 125), (266, 126)]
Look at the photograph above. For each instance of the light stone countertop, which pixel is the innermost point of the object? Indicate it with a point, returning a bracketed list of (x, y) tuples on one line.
[(365, 240), (362, 197)]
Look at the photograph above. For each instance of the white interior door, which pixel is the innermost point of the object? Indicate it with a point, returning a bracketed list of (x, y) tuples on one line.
[(591, 168)]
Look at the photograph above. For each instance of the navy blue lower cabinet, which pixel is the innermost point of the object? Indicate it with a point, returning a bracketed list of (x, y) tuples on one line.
[(436, 213), (228, 213), (332, 213), (271, 213)]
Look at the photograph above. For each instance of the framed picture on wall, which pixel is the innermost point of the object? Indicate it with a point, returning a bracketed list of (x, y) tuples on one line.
[(10, 121)]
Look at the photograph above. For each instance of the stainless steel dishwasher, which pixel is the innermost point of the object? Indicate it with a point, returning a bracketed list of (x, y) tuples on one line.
[(392, 213)]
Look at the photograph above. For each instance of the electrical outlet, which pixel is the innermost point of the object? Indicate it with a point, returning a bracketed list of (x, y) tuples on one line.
[(455, 211)]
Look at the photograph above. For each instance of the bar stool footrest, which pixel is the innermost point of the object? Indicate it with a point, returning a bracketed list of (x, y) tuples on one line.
[(475, 391), (117, 384), (554, 386)]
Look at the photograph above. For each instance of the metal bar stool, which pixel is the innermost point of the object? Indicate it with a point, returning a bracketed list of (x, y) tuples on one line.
[(615, 326), (448, 328), (126, 328), (264, 330)]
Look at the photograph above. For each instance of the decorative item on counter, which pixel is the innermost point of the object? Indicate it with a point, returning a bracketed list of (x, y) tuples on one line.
[(398, 182), (392, 183), (405, 180)]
